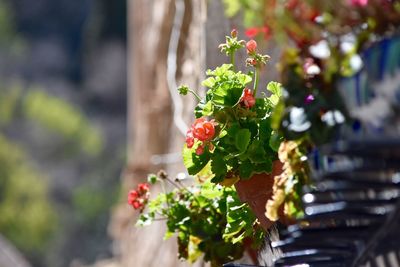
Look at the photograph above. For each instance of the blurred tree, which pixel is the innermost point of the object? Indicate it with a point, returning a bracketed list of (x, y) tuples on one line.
[(28, 217)]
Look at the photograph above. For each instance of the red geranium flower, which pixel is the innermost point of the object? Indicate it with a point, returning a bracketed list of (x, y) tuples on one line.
[(189, 139), (132, 196), (203, 130), (248, 99), (138, 198), (143, 188), (200, 149)]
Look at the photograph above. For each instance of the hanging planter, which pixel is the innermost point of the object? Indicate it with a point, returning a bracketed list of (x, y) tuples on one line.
[(257, 190)]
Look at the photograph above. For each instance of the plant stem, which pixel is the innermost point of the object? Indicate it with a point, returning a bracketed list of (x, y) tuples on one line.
[(165, 192), (233, 60), (195, 94), (160, 219), (173, 183), (256, 77)]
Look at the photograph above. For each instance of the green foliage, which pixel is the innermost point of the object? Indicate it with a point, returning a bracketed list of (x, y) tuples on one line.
[(10, 40), (8, 103), (207, 219), (27, 217), (226, 85), (63, 119), (243, 145), (249, 8), (193, 162)]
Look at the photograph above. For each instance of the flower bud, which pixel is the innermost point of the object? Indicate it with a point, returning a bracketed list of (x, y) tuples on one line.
[(251, 46), (162, 174), (183, 89), (234, 33)]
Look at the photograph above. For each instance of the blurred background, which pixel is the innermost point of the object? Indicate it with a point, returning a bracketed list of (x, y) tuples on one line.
[(62, 128), (87, 102)]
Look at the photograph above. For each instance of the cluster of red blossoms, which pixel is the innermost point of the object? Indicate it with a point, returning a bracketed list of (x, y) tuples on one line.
[(202, 130), (138, 198)]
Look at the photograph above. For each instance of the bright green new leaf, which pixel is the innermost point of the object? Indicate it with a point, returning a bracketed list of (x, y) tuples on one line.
[(193, 162), (209, 82)]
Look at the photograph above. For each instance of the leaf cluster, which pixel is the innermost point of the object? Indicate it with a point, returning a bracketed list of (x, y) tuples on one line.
[(208, 220)]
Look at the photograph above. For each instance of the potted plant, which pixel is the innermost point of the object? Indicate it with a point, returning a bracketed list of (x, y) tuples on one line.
[(231, 142), (209, 220), (232, 135)]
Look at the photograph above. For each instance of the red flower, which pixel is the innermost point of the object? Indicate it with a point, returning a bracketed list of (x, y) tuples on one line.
[(132, 196), (251, 46), (203, 130), (248, 99), (200, 149), (137, 205), (138, 198), (189, 139), (143, 188), (252, 32)]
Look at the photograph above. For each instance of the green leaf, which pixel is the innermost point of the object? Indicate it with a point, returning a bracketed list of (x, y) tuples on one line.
[(157, 203), (245, 169), (152, 178), (219, 71), (266, 167), (256, 152), (208, 109), (218, 166), (210, 190), (209, 82), (144, 220), (243, 78), (193, 162), (265, 129), (277, 114), (242, 139), (275, 88), (227, 96), (275, 141)]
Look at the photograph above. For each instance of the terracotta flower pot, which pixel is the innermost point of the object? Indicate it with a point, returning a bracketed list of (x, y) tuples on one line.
[(257, 190)]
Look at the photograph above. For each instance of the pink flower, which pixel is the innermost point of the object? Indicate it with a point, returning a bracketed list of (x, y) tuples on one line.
[(358, 2), (251, 47), (310, 98), (248, 99)]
